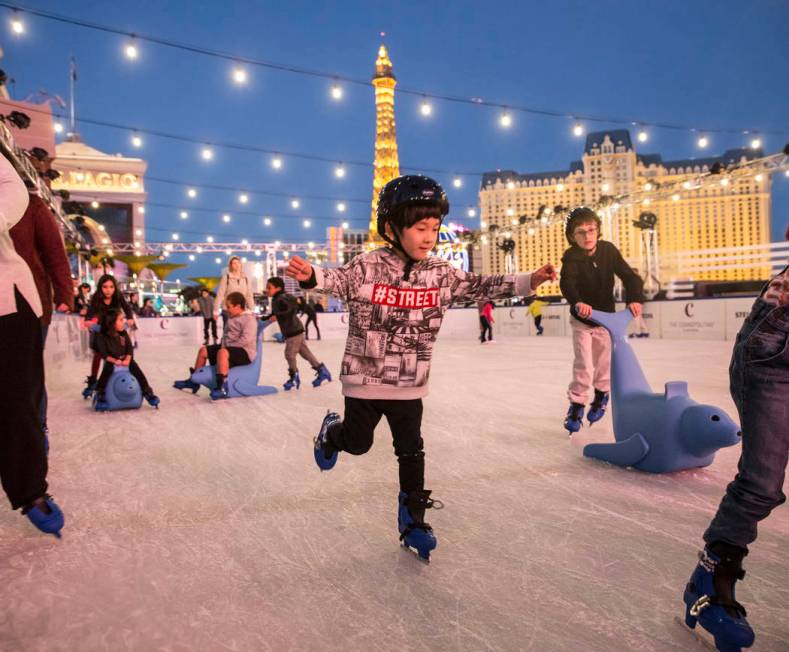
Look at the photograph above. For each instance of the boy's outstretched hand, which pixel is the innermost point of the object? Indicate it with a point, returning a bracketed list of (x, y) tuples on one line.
[(299, 269), (545, 273)]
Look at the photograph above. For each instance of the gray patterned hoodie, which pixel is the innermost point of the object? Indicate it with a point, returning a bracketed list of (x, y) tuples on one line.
[(393, 323)]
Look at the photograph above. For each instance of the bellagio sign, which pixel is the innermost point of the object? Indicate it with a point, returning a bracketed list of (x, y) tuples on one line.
[(91, 180)]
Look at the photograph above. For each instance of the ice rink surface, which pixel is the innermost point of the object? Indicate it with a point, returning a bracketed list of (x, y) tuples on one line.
[(206, 526)]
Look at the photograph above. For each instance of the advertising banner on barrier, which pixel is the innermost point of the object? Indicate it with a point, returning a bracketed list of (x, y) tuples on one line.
[(555, 320), (513, 322), (166, 331), (693, 320)]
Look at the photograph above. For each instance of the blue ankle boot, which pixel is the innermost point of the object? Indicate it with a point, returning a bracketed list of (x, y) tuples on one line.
[(321, 374), (597, 406), (47, 516), (187, 384), (709, 597), (574, 418), (322, 443), (293, 381), (414, 532)]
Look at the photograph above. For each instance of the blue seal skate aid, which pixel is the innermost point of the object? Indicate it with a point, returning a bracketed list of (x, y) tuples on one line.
[(656, 432), (123, 392), (242, 380)]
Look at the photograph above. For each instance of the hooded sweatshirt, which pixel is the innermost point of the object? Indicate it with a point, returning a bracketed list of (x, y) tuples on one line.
[(393, 323)]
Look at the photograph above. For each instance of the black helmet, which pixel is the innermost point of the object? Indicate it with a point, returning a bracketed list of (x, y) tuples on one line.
[(579, 216), (409, 190)]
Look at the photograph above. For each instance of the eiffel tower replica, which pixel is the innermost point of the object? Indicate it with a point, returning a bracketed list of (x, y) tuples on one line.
[(387, 165)]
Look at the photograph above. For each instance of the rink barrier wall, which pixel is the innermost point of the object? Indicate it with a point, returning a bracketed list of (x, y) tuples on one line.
[(693, 319)]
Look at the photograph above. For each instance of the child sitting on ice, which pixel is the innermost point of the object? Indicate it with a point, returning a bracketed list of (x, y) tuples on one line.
[(239, 347), (114, 346)]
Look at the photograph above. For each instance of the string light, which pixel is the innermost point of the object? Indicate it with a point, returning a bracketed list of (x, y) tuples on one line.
[(341, 207), (240, 76), (138, 232), (17, 26), (58, 128), (471, 212), (505, 120), (266, 221), (95, 204), (191, 257), (578, 130), (295, 203), (209, 238), (226, 218), (426, 109), (510, 185), (647, 186), (276, 163), (675, 197), (131, 52), (199, 250), (643, 136), (346, 226), (191, 193), (605, 187), (559, 187), (725, 181), (218, 261), (141, 210), (184, 215), (457, 182), (175, 236), (136, 141), (756, 143), (339, 172), (336, 92), (243, 198), (703, 141), (207, 153), (307, 224)]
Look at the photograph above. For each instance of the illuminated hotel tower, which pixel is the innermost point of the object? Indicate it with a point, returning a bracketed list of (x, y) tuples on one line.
[(387, 166)]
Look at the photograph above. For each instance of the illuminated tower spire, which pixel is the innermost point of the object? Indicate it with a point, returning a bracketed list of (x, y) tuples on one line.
[(387, 165)]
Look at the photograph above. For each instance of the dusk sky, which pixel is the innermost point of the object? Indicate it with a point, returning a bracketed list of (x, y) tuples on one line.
[(707, 64)]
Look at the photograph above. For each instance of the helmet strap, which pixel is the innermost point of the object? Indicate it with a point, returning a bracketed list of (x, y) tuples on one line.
[(395, 242)]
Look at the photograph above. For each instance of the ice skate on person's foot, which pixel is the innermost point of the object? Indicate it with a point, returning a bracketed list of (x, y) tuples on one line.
[(415, 534), (220, 393), (188, 383), (325, 453), (90, 382), (597, 406), (321, 374), (100, 402), (151, 398), (293, 381), (574, 419), (709, 597), (45, 514)]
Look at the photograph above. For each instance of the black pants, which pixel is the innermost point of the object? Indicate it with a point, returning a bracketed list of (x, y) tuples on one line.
[(484, 324), (538, 322), (314, 321), (355, 434), (236, 355), (23, 462), (134, 370), (206, 322)]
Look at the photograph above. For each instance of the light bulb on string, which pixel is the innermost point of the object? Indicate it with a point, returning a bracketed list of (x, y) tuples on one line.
[(191, 257), (243, 198), (58, 128), (307, 224), (131, 51), (336, 92), (199, 250), (341, 207), (218, 261), (505, 120), (703, 142), (276, 163), (175, 236), (472, 212), (17, 26), (136, 141), (578, 130), (295, 203), (191, 193), (240, 76), (207, 154), (209, 238), (756, 143), (426, 109), (346, 226), (643, 136), (266, 221), (95, 204), (339, 171), (457, 182), (226, 218), (184, 215), (141, 210)]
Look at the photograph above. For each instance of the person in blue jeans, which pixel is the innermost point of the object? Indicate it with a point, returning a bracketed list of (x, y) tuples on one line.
[(759, 380)]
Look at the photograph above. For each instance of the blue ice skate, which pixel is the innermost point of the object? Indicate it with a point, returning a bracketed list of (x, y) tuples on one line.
[(90, 386), (597, 406), (321, 374), (415, 534), (574, 419), (151, 399), (49, 519), (293, 381), (722, 616), (219, 393), (322, 440), (187, 384)]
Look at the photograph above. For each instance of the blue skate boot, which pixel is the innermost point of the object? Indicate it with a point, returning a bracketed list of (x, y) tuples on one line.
[(597, 406), (188, 383), (90, 382), (574, 419), (151, 398), (220, 392), (321, 374), (45, 514), (415, 534), (293, 381), (709, 597), (100, 402), (325, 453)]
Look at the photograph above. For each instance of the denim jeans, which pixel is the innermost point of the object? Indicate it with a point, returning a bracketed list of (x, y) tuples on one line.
[(759, 377)]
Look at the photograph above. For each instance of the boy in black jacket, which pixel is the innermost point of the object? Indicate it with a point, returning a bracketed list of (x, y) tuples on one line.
[(587, 282), (285, 310)]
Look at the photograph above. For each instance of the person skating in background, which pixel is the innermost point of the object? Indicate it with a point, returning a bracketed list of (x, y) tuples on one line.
[(233, 280), (106, 297), (397, 297), (206, 304), (23, 458), (759, 384), (113, 344), (239, 347), (38, 240), (535, 310), (640, 328), (147, 310), (284, 311), (587, 282), (486, 321), (312, 318)]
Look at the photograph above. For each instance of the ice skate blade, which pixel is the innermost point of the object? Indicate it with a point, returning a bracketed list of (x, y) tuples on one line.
[(416, 553), (702, 637)]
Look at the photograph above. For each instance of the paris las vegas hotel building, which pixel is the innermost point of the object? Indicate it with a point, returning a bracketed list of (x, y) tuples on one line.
[(731, 216)]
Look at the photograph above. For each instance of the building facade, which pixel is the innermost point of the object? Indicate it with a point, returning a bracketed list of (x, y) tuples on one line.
[(731, 215)]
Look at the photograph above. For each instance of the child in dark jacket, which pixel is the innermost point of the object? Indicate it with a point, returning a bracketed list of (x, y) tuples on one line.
[(397, 297), (587, 282), (114, 347), (284, 310)]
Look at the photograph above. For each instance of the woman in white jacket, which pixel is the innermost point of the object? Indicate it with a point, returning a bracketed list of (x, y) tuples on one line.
[(233, 280)]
